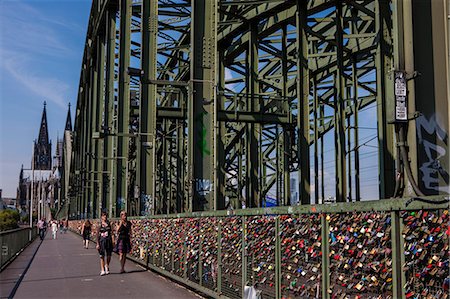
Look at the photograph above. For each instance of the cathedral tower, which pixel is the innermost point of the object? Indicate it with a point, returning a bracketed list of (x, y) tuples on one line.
[(43, 147)]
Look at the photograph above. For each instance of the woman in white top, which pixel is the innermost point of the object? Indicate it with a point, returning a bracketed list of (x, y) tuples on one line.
[(54, 228)]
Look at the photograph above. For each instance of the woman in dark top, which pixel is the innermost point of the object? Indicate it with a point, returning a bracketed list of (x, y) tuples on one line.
[(104, 243), (86, 232), (123, 245)]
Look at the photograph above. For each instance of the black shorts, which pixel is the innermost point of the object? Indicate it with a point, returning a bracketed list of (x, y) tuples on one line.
[(106, 248)]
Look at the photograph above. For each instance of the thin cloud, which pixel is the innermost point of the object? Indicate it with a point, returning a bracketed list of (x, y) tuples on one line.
[(29, 31), (50, 89)]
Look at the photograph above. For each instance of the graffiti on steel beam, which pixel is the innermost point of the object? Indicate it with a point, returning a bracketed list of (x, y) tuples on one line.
[(203, 186), (432, 169), (202, 142)]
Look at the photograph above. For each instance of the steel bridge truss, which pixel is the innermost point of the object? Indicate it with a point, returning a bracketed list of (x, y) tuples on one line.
[(206, 104)]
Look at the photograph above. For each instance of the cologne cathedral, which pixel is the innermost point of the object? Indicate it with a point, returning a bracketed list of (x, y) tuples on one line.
[(40, 185)]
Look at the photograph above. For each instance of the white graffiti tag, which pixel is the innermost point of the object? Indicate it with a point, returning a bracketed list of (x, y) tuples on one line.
[(432, 168)]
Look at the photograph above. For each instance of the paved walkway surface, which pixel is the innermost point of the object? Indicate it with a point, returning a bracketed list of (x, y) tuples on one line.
[(12, 273), (62, 268)]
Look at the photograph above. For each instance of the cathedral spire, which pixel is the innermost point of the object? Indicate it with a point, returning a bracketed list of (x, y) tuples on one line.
[(43, 131), (43, 146), (68, 121)]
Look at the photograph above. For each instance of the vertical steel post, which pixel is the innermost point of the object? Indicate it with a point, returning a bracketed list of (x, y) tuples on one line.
[(219, 257), (109, 165), (147, 113), (316, 141), (253, 188), (286, 149), (356, 129), (244, 254), (384, 65), (180, 208), (123, 112), (278, 276), (94, 125), (325, 256), (98, 126), (398, 278), (303, 103), (201, 145), (322, 177), (221, 131), (339, 113)]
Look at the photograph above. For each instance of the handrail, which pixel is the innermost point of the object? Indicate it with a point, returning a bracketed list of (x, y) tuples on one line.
[(12, 242)]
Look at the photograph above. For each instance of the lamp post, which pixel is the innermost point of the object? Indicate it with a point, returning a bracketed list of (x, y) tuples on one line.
[(32, 191)]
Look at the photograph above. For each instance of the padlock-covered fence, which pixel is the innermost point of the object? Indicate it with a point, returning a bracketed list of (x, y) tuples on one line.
[(396, 248)]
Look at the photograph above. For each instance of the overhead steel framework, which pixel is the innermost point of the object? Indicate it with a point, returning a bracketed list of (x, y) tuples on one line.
[(210, 104)]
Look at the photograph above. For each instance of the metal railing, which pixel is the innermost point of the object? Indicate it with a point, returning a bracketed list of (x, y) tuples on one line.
[(394, 248), (13, 241)]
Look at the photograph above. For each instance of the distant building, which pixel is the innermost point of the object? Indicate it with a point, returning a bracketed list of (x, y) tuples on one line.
[(42, 182), (43, 146)]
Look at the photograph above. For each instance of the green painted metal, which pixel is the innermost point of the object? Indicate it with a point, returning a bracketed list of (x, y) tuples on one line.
[(100, 99), (232, 99), (219, 257), (384, 104), (202, 103), (244, 254), (253, 159), (109, 165), (356, 133), (278, 264), (93, 126), (325, 245), (316, 142), (391, 204), (123, 111), (397, 253), (339, 117), (146, 148), (303, 104)]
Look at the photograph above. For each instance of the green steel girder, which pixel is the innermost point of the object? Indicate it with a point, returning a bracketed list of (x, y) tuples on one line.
[(202, 103), (123, 111), (233, 96)]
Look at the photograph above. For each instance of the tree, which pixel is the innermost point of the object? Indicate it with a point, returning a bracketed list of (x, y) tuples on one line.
[(9, 219)]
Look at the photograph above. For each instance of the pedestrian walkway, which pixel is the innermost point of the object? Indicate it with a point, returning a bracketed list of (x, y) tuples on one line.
[(62, 268)]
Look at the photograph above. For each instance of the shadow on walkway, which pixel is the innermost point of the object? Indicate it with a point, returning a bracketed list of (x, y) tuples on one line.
[(62, 268)]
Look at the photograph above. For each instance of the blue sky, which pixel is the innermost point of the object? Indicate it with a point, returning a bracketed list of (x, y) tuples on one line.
[(41, 48)]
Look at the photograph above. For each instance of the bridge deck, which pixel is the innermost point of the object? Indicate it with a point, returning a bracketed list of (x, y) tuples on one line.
[(62, 268)]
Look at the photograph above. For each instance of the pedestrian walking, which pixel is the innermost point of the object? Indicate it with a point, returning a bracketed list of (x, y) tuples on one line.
[(65, 225), (60, 225), (41, 228), (104, 243), (86, 233), (123, 244), (54, 226)]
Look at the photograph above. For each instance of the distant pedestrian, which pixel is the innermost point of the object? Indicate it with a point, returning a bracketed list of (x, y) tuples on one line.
[(60, 225), (65, 225), (54, 225), (104, 243), (123, 245), (41, 228), (86, 233)]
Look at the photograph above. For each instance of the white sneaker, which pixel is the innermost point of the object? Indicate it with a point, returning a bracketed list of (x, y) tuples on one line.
[(106, 270), (102, 273)]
